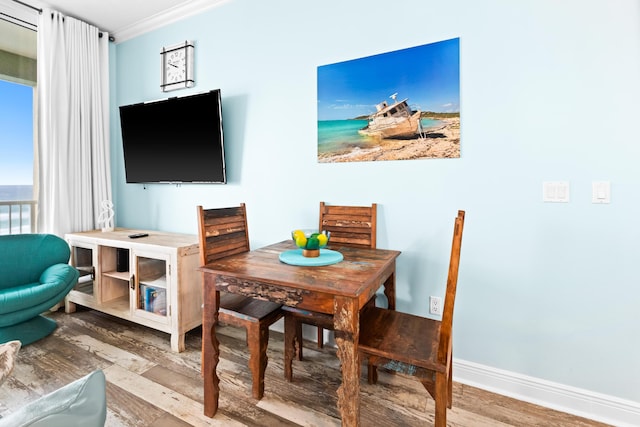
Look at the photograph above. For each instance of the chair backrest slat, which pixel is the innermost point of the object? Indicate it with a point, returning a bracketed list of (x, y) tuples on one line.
[(350, 225), (222, 232), (444, 346)]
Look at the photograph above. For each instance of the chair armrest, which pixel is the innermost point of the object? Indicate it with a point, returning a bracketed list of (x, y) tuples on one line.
[(59, 273)]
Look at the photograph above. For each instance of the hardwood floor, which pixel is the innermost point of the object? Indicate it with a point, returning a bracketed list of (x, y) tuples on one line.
[(148, 385)]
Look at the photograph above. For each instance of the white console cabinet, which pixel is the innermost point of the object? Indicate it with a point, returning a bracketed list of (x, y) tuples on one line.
[(152, 280)]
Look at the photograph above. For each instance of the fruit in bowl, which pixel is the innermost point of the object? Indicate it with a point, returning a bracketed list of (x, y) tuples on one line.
[(310, 241)]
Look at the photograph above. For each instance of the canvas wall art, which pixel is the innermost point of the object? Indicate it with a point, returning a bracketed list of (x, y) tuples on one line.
[(399, 105)]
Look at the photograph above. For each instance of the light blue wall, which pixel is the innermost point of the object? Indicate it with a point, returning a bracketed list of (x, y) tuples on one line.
[(549, 91)]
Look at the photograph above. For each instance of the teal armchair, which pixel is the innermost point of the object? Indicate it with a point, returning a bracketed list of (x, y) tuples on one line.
[(34, 276)]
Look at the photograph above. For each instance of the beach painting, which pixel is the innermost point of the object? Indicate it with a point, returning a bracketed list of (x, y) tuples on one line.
[(400, 105)]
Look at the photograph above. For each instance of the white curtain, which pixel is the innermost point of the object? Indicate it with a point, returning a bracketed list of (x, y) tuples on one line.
[(72, 158)]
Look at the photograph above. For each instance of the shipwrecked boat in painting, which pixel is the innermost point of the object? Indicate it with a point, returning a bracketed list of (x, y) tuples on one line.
[(393, 121)]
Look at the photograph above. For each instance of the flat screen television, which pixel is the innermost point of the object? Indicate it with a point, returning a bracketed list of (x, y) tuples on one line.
[(174, 140)]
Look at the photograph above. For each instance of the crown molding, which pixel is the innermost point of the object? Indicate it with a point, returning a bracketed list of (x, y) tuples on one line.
[(166, 17)]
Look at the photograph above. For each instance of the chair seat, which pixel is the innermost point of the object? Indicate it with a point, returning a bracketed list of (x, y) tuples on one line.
[(379, 337), (247, 308)]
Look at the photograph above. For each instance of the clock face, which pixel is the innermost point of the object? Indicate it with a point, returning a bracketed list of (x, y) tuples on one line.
[(177, 67)]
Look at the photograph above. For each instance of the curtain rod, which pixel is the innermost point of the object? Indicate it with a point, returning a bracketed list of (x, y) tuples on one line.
[(28, 5), (18, 21), (111, 38)]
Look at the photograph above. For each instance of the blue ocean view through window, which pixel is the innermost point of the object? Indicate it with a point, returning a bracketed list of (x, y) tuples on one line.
[(16, 192)]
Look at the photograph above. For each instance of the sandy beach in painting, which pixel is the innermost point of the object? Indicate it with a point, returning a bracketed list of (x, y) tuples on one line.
[(439, 142)]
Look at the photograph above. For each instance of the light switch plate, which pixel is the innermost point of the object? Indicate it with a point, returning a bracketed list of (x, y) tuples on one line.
[(601, 192), (555, 191)]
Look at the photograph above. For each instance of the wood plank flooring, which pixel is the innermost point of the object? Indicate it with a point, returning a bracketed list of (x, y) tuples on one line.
[(148, 385)]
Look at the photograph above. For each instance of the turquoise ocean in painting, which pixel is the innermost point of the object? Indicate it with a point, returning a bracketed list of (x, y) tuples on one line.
[(336, 136)]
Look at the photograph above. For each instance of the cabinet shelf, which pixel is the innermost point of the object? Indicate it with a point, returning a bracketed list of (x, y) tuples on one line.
[(117, 306), (160, 282), (121, 275)]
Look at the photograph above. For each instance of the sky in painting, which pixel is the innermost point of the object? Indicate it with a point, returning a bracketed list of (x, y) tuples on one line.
[(16, 138), (428, 75)]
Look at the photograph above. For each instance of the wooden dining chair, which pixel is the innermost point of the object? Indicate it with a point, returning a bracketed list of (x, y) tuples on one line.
[(349, 226), (416, 345), (223, 232)]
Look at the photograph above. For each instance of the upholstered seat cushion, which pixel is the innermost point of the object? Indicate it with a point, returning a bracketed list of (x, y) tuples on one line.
[(79, 404)]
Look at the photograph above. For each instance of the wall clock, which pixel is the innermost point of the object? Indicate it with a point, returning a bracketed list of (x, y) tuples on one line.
[(177, 66)]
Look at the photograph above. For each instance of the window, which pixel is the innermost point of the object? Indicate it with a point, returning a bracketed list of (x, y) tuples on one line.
[(17, 99)]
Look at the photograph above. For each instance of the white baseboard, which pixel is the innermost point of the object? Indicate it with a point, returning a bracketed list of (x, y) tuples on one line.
[(584, 403)]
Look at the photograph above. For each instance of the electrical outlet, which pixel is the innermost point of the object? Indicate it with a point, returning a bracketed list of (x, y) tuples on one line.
[(435, 305)]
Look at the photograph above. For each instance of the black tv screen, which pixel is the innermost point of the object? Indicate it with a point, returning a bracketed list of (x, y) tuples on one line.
[(174, 140)]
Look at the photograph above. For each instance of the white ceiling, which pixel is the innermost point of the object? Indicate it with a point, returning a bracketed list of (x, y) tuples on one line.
[(123, 19)]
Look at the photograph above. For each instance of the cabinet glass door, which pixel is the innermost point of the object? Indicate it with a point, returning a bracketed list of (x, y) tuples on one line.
[(151, 291), (83, 259)]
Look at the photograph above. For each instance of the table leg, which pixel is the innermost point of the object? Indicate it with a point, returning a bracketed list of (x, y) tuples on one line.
[(347, 329), (210, 350), (390, 293)]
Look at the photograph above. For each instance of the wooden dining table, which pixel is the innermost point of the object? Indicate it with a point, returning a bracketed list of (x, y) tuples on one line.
[(340, 289)]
